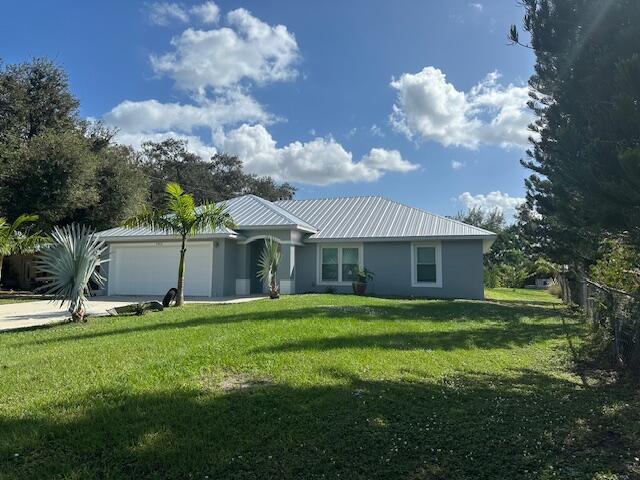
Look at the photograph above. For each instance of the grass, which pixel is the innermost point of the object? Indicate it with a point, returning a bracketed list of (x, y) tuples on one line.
[(314, 386), (520, 295), (7, 296)]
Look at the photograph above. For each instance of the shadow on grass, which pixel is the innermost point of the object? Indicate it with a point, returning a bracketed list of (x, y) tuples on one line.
[(433, 311), (523, 426), (486, 338)]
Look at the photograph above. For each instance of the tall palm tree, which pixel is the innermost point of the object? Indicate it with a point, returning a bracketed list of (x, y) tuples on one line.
[(14, 239), (181, 217)]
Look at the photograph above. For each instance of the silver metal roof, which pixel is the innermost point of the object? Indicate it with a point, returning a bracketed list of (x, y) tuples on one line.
[(120, 232), (375, 217), (328, 218), (251, 211)]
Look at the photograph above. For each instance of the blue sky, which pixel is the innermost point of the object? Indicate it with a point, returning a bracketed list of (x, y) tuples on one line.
[(420, 101)]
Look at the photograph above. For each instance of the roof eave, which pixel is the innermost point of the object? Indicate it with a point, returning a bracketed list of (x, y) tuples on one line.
[(490, 238)]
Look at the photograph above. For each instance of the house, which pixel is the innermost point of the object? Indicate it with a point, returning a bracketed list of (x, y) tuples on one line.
[(411, 252)]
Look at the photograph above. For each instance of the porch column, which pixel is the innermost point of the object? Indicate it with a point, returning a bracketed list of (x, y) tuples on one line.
[(243, 269), (286, 271)]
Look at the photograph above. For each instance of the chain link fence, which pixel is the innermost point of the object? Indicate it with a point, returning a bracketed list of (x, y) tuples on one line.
[(612, 312)]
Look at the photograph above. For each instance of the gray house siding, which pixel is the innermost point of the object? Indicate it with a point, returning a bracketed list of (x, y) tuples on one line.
[(462, 270)]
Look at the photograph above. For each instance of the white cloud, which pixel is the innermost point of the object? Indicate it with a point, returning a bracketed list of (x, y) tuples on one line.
[(431, 108), (208, 12), (502, 201), (162, 13), (390, 160), (152, 116), (321, 161), (219, 58), (457, 165), (477, 6)]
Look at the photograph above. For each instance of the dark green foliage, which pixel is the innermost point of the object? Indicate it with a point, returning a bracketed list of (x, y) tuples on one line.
[(219, 178), (54, 164), (586, 94)]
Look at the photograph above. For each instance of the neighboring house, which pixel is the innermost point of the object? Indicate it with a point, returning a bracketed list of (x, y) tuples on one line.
[(411, 252)]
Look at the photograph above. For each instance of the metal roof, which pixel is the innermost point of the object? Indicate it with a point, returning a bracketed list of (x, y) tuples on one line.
[(328, 218), (248, 211), (251, 211), (120, 232), (376, 217)]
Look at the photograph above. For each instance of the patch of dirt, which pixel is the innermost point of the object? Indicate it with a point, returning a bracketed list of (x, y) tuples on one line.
[(231, 381)]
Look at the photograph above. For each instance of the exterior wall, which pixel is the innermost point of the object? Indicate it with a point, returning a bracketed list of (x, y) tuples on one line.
[(462, 270)]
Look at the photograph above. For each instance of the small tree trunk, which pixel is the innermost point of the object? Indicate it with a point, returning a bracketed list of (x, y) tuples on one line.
[(181, 268), (1, 259)]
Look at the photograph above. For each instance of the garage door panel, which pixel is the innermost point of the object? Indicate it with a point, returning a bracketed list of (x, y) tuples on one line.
[(152, 269)]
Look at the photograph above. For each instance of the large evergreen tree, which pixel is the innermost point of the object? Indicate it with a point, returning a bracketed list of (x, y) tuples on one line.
[(216, 179), (586, 94)]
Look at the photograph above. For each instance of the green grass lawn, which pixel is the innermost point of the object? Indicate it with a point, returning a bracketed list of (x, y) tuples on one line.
[(315, 386), (520, 295)]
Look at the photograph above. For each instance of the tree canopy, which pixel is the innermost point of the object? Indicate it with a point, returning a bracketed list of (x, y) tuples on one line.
[(586, 95), (65, 169)]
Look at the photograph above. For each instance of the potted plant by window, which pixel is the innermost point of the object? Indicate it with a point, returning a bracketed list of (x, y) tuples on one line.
[(362, 277)]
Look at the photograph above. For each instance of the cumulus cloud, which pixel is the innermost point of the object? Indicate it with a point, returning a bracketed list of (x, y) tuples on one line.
[(217, 68), (431, 108), (478, 7), (493, 200), (151, 115), (163, 13), (208, 12), (248, 49), (321, 161)]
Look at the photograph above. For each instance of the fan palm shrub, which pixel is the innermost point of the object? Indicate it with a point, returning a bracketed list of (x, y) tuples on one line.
[(14, 238), (69, 263), (268, 265), (180, 216)]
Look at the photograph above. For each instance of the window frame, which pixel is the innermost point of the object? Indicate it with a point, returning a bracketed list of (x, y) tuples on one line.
[(414, 264), (340, 247)]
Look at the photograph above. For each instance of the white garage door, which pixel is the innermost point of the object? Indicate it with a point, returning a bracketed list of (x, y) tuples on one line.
[(152, 268)]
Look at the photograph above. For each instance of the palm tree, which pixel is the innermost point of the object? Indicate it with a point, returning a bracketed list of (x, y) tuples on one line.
[(269, 261), (13, 239), (69, 263), (181, 217)]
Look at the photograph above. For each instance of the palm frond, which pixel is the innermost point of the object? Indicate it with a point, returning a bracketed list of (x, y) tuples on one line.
[(69, 263), (154, 219), (211, 216), (269, 260), (14, 240)]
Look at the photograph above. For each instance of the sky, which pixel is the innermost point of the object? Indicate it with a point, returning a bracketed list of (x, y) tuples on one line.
[(421, 101)]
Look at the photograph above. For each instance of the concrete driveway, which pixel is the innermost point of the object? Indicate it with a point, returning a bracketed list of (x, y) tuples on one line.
[(20, 315)]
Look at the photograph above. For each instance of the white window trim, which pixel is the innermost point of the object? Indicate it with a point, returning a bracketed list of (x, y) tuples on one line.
[(339, 246), (414, 265)]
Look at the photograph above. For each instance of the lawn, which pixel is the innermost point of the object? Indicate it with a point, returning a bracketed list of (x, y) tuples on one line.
[(315, 386)]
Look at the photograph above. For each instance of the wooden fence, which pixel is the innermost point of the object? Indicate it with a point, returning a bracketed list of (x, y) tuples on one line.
[(611, 311)]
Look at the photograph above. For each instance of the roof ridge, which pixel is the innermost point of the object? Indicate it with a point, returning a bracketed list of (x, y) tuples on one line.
[(283, 212), (329, 198)]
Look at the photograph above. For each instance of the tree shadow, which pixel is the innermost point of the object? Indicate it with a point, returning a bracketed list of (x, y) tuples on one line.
[(400, 311), (485, 338), (523, 425)]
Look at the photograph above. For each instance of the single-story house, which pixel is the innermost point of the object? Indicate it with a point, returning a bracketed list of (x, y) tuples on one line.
[(412, 252)]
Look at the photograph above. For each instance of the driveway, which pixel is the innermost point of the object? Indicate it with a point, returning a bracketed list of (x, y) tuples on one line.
[(20, 315)]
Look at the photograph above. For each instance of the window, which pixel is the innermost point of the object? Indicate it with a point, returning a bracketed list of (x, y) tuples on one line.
[(329, 264), (350, 257), (338, 264), (426, 265)]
